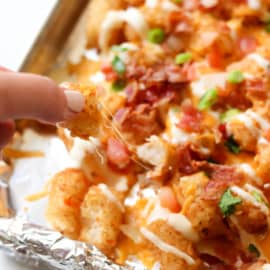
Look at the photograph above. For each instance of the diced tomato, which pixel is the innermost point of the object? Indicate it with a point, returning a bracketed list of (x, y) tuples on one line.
[(256, 88), (215, 58), (108, 71), (117, 153), (168, 199), (191, 120), (247, 44), (223, 131)]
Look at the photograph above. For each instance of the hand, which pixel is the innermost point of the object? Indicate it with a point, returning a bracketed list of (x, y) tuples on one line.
[(36, 97)]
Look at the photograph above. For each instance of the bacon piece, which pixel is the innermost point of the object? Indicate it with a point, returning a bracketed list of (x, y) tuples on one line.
[(168, 73), (247, 45), (222, 176), (131, 93), (256, 88), (187, 164), (139, 122), (117, 153), (191, 120)]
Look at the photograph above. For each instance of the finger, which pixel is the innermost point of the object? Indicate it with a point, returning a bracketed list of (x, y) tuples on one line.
[(36, 97), (5, 69), (7, 129)]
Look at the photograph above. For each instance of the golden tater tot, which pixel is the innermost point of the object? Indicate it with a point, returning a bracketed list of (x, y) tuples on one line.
[(101, 218), (87, 123), (67, 190), (98, 10)]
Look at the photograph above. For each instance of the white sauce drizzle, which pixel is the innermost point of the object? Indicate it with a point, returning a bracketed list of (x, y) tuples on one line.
[(207, 82), (122, 184), (166, 247), (261, 61), (246, 196), (177, 221), (209, 3), (107, 192), (151, 3), (115, 19), (266, 266), (169, 6), (92, 54), (254, 4), (97, 78), (175, 135), (248, 170), (132, 232)]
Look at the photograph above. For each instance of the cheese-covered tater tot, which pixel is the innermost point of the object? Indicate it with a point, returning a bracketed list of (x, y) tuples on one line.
[(101, 217), (66, 193), (97, 12)]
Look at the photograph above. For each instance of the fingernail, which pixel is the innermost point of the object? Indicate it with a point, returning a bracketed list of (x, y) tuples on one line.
[(75, 100)]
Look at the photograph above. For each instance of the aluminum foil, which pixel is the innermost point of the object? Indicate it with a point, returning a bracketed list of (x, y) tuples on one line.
[(39, 246)]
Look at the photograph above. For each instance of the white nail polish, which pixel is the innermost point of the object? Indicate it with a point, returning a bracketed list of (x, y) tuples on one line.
[(75, 100)]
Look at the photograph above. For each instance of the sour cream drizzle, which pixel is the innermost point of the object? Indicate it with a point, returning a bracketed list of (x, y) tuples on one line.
[(166, 247), (107, 192)]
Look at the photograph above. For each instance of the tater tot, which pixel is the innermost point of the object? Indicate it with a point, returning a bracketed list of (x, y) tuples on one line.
[(101, 217), (67, 190), (171, 237), (97, 12), (88, 122)]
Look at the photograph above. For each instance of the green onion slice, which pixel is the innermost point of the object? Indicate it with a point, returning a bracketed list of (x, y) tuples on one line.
[(208, 99)]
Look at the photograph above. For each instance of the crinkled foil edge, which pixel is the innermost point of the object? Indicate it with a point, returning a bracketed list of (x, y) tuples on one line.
[(39, 246)]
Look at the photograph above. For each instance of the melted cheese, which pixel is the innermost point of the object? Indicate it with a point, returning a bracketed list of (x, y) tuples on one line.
[(107, 192), (166, 247), (116, 19)]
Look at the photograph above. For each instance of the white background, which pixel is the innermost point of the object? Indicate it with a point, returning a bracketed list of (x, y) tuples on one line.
[(20, 20)]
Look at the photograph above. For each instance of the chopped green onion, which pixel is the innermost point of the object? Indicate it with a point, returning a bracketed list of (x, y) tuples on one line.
[(253, 249), (178, 1), (211, 160), (257, 196), (228, 115), (182, 58), (235, 77), (232, 145), (156, 35), (175, 109), (267, 27), (118, 65), (228, 202), (118, 85), (208, 99)]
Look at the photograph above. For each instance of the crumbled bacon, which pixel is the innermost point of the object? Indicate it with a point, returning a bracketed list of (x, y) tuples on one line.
[(222, 176), (222, 129), (165, 73), (191, 120), (117, 153), (256, 88), (139, 122), (131, 93), (187, 164)]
